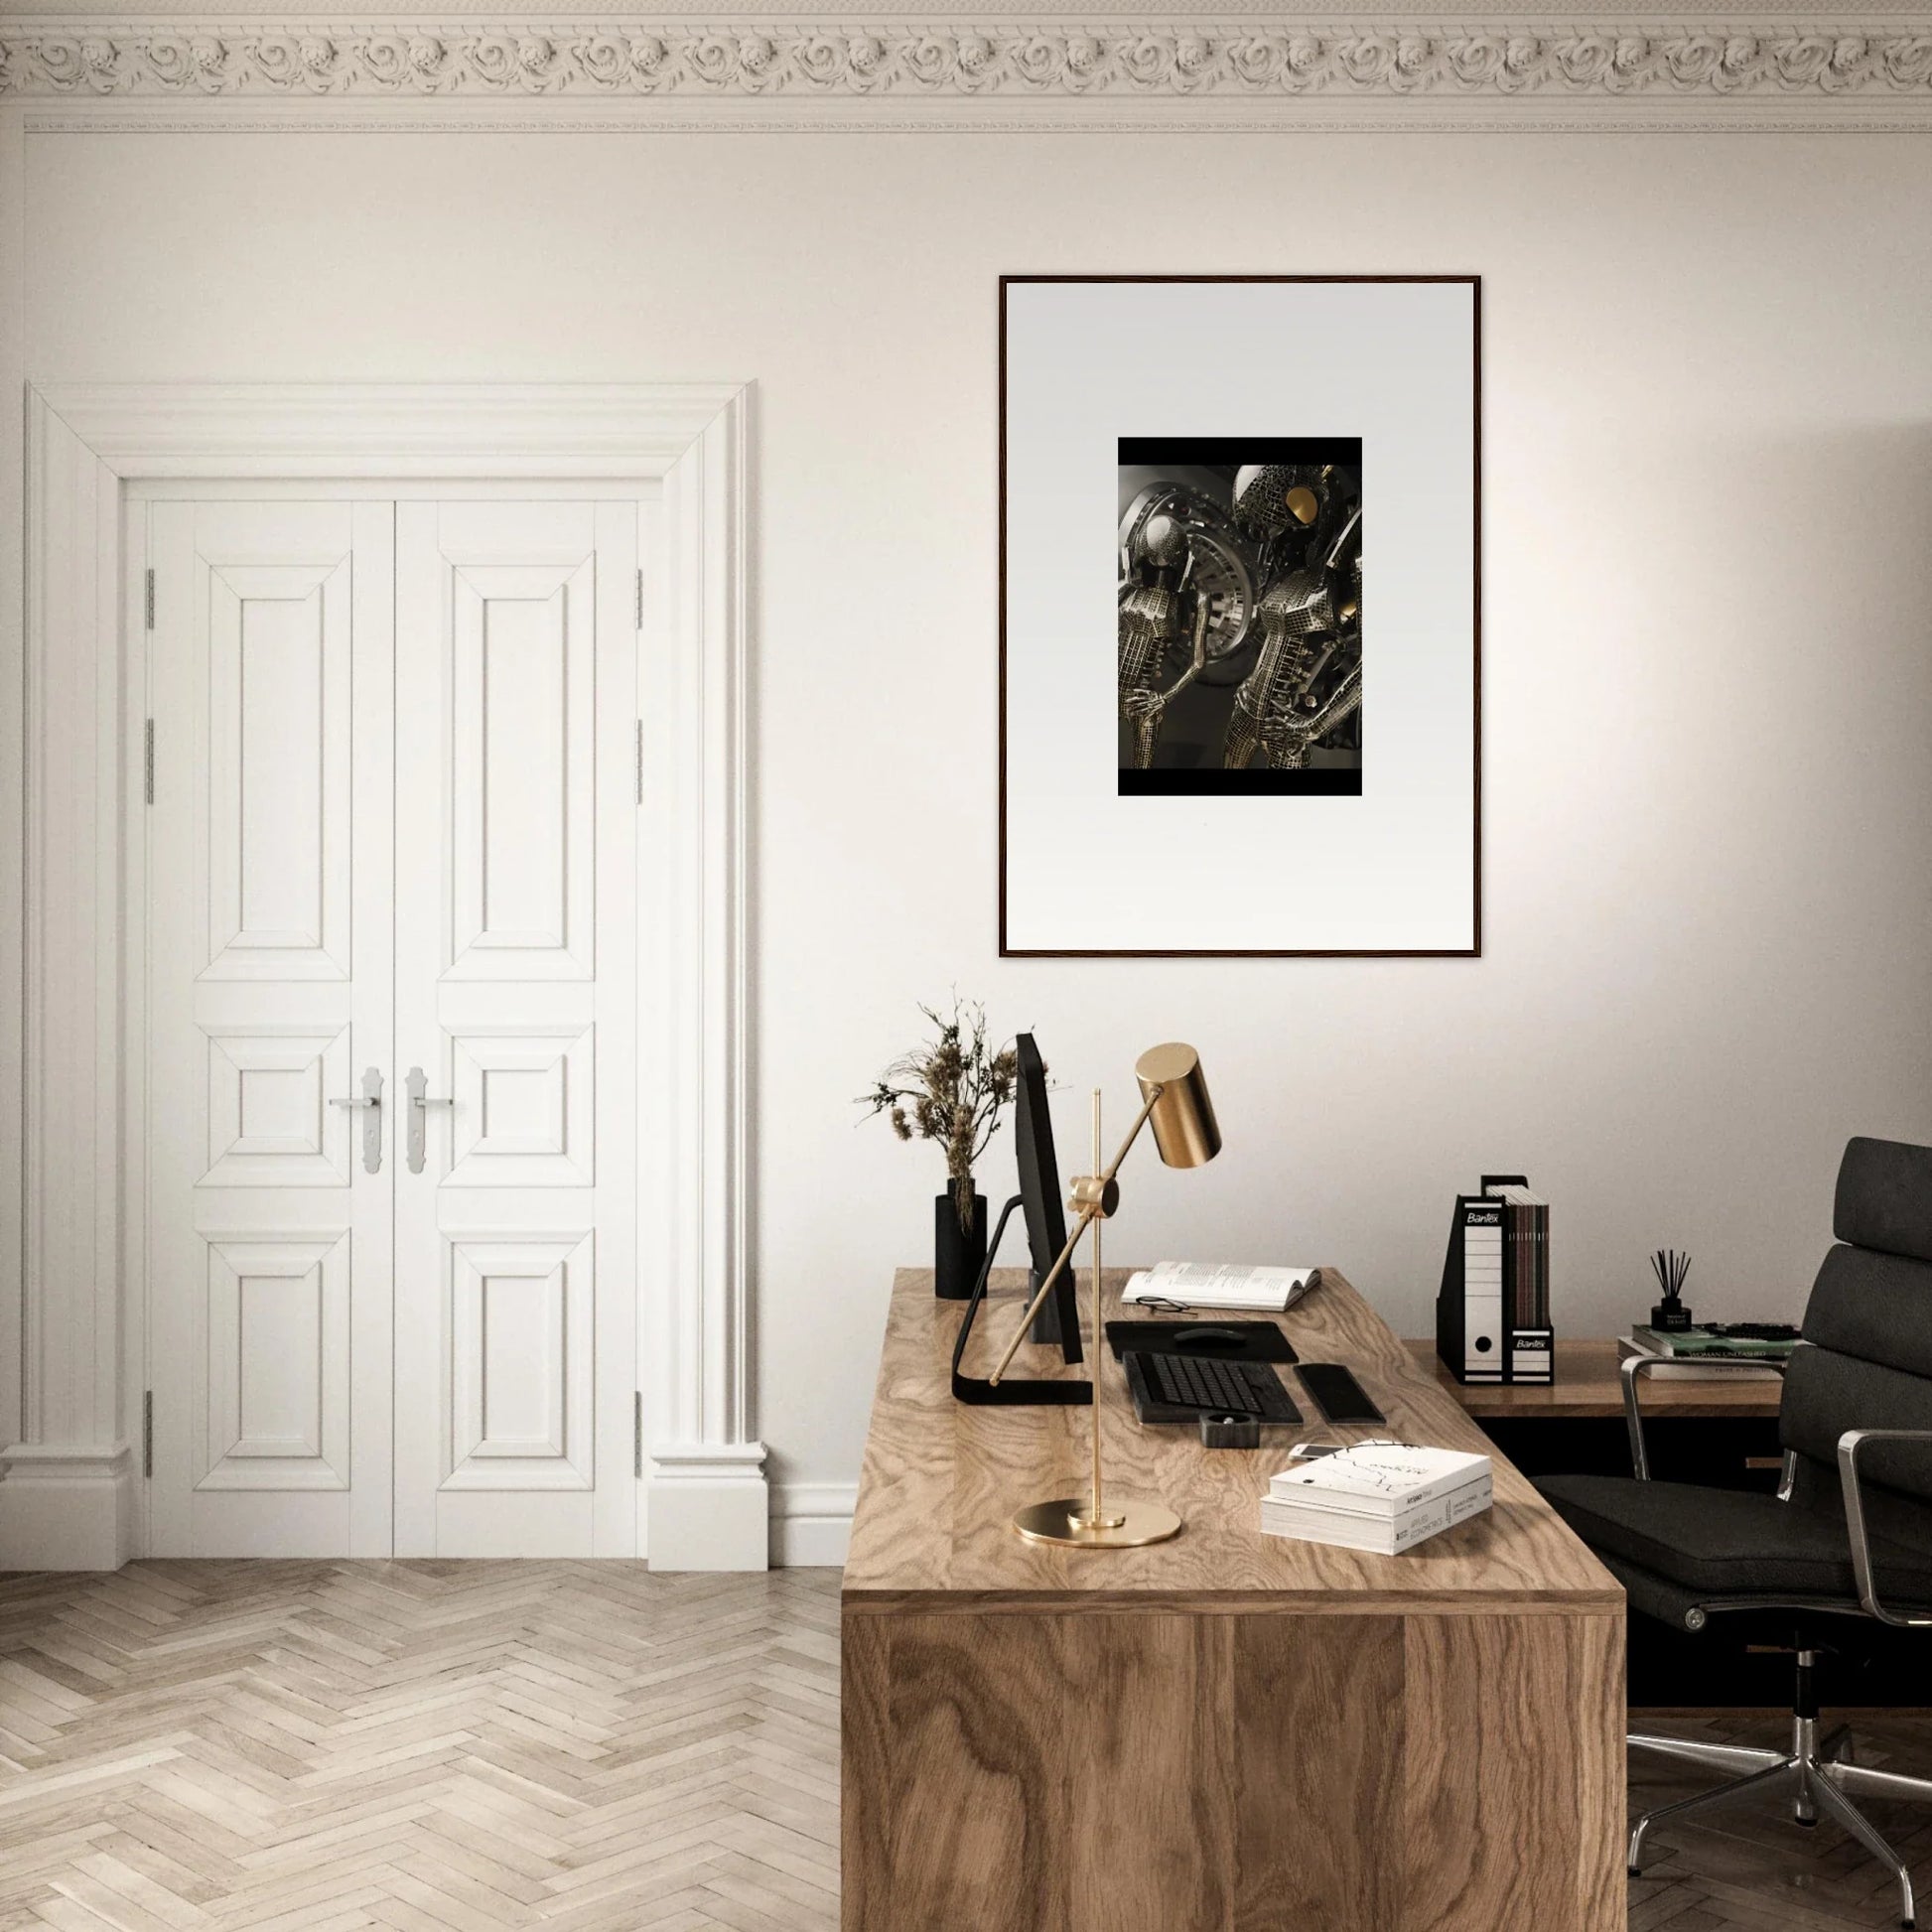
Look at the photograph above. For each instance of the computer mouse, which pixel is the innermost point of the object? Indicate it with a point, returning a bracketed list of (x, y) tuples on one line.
[(1208, 1337)]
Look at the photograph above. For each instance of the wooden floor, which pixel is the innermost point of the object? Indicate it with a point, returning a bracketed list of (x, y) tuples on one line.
[(1747, 1864), (319, 1746), (463, 1747)]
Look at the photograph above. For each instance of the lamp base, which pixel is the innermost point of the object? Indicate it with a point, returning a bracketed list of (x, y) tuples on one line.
[(1130, 1525)]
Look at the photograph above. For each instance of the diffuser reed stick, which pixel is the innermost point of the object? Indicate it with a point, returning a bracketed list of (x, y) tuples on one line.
[(1670, 1266)]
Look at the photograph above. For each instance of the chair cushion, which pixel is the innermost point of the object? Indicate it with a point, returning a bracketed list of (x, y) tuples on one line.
[(1884, 1197), (1728, 1542), (1876, 1308)]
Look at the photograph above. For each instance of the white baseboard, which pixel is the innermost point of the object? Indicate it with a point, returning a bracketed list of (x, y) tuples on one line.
[(709, 1507), (66, 1507), (811, 1523)]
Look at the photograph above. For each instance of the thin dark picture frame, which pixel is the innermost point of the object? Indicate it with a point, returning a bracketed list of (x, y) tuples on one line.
[(1471, 951)]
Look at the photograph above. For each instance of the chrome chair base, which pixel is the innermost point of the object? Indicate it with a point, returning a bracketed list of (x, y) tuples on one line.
[(1819, 1775)]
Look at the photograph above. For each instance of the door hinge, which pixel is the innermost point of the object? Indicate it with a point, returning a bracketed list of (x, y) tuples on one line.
[(638, 1433), (640, 598), (147, 761), (150, 600), (147, 1432)]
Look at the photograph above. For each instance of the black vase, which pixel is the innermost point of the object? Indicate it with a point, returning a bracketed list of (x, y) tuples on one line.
[(957, 1253)]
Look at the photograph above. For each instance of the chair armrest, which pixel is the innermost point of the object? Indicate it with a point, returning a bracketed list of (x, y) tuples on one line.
[(1635, 1366), (1849, 1445)]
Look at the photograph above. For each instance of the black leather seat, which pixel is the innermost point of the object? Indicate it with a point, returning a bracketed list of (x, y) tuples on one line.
[(1725, 1542), (1849, 1538)]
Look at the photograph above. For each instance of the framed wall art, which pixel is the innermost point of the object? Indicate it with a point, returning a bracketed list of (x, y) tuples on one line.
[(1271, 742)]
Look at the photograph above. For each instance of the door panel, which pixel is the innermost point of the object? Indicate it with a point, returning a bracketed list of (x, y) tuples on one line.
[(276, 1412), (269, 969), (523, 771), (515, 973), (279, 750)]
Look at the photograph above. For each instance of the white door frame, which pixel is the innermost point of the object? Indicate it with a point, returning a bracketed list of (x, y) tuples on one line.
[(72, 1425)]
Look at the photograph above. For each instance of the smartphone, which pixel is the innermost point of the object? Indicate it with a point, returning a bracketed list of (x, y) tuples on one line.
[(1336, 1393)]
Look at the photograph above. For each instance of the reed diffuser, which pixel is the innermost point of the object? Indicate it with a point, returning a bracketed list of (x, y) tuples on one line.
[(1670, 1314)]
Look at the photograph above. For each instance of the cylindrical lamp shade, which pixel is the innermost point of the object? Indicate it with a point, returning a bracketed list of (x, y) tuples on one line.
[(1184, 1128)]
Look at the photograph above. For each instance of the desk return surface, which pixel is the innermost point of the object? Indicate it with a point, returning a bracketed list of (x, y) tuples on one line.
[(1590, 1388), (1227, 1730)]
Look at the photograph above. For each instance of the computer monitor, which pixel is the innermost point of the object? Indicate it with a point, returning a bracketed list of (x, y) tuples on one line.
[(1038, 1200), (1039, 1194)]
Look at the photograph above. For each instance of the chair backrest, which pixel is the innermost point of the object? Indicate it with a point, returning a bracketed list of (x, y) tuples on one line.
[(1869, 1327)]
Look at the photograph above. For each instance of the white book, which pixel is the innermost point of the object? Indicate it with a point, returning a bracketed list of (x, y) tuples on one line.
[(1304, 1508), (1385, 1535), (1379, 1478), (1219, 1284)]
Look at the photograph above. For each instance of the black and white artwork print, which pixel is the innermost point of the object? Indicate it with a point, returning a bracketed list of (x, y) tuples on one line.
[(1239, 615), (1225, 765)]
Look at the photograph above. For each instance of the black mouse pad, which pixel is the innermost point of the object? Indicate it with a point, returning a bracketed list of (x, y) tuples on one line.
[(1221, 1341)]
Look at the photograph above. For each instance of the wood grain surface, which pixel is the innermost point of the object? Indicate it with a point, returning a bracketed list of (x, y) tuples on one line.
[(1588, 1385), (941, 1480), (1227, 1733), (1260, 1773), (1513, 1773)]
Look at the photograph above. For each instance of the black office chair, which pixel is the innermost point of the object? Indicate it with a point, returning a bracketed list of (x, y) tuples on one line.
[(1848, 1536)]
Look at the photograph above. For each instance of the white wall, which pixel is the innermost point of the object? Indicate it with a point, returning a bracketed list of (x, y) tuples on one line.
[(1708, 728)]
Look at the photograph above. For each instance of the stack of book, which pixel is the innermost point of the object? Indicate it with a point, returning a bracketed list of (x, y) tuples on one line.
[(1686, 1350), (1526, 1257), (1381, 1496)]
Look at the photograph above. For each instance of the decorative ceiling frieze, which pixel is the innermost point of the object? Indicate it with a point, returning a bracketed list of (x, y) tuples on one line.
[(1885, 65)]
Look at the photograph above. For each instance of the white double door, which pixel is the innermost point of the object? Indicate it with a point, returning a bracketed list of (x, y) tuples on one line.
[(391, 858)]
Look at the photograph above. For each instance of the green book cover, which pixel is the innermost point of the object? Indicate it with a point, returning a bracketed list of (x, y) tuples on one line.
[(1700, 1341)]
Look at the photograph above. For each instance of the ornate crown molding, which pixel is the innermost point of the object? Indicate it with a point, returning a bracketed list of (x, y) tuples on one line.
[(1886, 65)]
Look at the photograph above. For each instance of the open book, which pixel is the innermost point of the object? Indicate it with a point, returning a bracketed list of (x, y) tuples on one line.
[(1212, 1285)]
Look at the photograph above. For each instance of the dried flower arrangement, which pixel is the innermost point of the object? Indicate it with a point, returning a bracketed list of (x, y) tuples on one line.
[(951, 1091)]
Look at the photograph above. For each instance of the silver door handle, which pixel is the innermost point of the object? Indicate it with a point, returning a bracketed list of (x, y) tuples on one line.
[(370, 1099), (420, 1102)]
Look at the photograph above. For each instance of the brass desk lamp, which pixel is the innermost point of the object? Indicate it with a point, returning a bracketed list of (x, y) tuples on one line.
[(1174, 1098)]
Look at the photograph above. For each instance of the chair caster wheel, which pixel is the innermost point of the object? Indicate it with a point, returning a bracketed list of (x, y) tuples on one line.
[(1634, 1872), (1810, 1824)]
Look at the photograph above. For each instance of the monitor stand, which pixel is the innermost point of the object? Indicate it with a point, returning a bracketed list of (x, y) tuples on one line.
[(1012, 1391)]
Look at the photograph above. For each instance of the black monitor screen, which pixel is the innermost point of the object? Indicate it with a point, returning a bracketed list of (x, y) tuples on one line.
[(1040, 1190)]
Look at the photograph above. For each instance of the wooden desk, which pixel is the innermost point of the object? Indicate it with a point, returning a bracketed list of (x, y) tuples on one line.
[(1718, 1432), (1588, 1385), (1227, 1733)]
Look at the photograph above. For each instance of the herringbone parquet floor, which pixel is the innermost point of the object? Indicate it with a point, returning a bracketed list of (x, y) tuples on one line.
[(426, 1746), (469, 1747), (1748, 1865)]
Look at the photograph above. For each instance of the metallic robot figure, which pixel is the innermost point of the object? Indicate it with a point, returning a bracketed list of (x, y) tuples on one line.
[(1267, 592), (1307, 683), (1143, 704), (1184, 577), (1273, 497)]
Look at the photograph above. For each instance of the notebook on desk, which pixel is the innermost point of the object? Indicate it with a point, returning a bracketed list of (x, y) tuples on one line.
[(1219, 1284)]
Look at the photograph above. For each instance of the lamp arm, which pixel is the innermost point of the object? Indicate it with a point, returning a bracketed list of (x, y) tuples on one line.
[(1033, 1307), (1132, 1134), (1088, 1216)]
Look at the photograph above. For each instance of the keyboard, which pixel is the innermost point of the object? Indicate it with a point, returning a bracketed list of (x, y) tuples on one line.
[(1198, 1386)]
